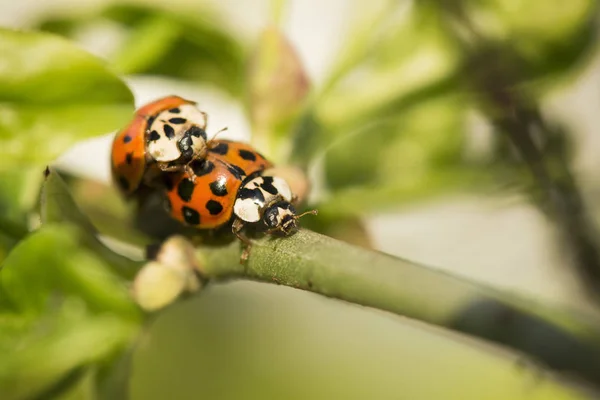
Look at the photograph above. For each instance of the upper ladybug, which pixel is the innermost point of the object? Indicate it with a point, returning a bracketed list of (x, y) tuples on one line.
[(164, 135)]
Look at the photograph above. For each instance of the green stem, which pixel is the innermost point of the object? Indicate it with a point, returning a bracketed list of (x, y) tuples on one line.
[(322, 265), (326, 266), (494, 73)]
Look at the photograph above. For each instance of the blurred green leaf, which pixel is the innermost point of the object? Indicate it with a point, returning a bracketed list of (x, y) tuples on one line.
[(57, 206), (52, 261), (106, 209), (277, 91), (549, 36), (51, 348), (19, 192), (60, 299), (183, 41), (411, 54), (272, 342), (398, 57), (137, 53), (51, 95), (419, 153)]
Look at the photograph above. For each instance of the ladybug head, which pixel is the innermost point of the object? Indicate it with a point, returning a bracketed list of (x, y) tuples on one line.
[(192, 144), (282, 217)]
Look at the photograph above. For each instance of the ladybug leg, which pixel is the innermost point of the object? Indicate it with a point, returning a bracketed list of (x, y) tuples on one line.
[(188, 170), (176, 168), (236, 228)]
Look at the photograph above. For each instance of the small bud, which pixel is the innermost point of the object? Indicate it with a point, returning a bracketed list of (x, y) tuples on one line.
[(178, 253), (161, 282), (278, 88), (157, 286)]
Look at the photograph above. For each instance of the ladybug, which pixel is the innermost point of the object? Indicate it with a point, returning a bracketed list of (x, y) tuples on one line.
[(266, 199), (230, 186), (164, 135), (207, 201)]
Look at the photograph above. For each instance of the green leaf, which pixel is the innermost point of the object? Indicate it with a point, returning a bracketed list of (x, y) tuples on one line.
[(549, 36), (51, 95), (107, 210), (407, 51), (51, 348), (19, 193), (53, 261), (188, 42), (57, 206), (417, 154), (312, 262)]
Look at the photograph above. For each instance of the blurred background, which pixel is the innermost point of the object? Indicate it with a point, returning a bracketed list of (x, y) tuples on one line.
[(460, 135)]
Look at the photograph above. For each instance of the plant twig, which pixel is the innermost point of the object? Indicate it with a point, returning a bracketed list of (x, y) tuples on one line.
[(320, 264), (493, 72)]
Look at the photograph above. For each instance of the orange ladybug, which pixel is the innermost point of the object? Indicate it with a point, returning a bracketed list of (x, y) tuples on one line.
[(164, 135), (207, 202), (233, 186)]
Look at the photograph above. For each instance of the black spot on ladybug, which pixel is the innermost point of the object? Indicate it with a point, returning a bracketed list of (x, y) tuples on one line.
[(203, 167), (288, 206), (247, 155), (267, 185), (175, 110), (150, 120), (129, 158), (185, 189), (177, 120), (123, 183), (221, 148), (214, 207), (169, 131), (154, 136), (236, 171), (46, 172), (196, 131), (167, 205), (127, 139), (246, 193), (190, 216), (218, 188)]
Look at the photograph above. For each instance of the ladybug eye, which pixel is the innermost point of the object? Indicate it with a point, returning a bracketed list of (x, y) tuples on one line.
[(185, 146), (270, 217)]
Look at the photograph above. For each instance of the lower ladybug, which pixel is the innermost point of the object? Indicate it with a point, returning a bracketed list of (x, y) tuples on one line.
[(229, 186), (164, 135), (266, 199), (206, 202)]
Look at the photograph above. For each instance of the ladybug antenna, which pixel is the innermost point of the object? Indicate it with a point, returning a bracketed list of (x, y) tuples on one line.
[(313, 212), (219, 131)]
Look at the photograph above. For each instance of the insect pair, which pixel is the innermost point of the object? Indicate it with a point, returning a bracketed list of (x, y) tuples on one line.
[(205, 183)]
